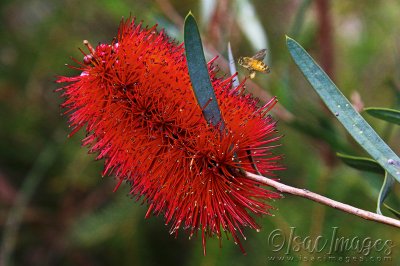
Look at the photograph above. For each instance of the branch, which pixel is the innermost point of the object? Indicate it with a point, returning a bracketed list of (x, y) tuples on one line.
[(324, 200)]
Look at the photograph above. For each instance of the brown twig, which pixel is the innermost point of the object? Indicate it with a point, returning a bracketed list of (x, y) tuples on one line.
[(325, 37), (324, 200)]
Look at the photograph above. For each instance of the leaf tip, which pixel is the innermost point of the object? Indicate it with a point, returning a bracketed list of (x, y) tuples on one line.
[(288, 39), (189, 15)]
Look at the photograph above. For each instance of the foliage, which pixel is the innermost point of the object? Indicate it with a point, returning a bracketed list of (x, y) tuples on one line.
[(73, 218)]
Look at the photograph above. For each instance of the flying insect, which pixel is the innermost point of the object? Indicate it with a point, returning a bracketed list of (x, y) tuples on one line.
[(255, 63)]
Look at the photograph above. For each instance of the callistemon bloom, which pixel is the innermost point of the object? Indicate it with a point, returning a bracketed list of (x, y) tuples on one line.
[(135, 98)]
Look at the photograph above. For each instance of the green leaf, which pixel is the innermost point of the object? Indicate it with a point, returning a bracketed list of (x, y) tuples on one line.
[(369, 165), (387, 114), (383, 193), (361, 163), (198, 72), (358, 128), (396, 213)]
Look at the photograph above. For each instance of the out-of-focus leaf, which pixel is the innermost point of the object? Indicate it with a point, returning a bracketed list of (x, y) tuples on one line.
[(251, 25), (198, 72), (369, 165), (98, 227), (324, 133), (387, 114), (31, 182), (395, 213), (232, 66), (396, 91), (360, 130), (285, 93), (299, 18), (361, 163), (383, 193)]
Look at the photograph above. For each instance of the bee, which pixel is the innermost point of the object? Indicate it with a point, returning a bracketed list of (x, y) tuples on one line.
[(255, 63)]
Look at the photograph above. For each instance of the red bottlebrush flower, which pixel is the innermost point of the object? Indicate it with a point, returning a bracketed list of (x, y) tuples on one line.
[(135, 98)]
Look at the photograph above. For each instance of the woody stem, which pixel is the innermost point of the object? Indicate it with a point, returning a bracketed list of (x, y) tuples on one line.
[(324, 200)]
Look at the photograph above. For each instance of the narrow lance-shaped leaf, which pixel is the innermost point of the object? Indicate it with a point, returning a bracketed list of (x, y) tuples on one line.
[(198, 72), (383, 193), (387, 114), (369, 165), (361, 131), (361, 163), (395, 212)]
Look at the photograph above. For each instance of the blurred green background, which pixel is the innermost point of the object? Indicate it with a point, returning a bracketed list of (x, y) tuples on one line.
[(55, 209)]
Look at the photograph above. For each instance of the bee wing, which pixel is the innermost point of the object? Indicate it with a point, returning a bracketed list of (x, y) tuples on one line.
[(260, 55)]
